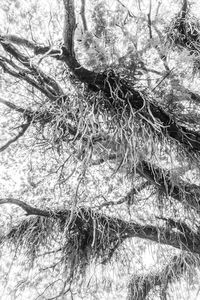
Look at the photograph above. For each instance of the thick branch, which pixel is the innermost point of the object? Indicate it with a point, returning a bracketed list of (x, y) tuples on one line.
[(82, 13), (69, 26), (118, 229), (14, 107), (30, 210), (20, 41), (120, 95), (123, 96)]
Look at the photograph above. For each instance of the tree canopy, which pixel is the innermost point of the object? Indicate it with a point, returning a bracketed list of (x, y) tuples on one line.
[(100, 142)]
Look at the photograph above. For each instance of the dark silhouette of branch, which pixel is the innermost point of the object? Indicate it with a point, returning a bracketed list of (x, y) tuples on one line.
[(43, 82), (113, 87), (149, 21), (37, 49), (30, 210), (121, 230), (14, 107), (82, 13), (19, 41), (13, 140), (184, 9), (69, 26)]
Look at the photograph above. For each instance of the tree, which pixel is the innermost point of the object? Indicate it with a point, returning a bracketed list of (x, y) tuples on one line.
[(106, 110)]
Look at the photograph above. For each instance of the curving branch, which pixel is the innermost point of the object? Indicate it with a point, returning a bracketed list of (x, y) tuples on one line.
[(114, 88), (30, 210)]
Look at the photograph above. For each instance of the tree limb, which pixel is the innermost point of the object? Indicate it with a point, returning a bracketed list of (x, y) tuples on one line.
[(117, 228), (20, 134), (82, 13), (115, 88), (69, 26), (30, 210), (14, 107), (49, 84)]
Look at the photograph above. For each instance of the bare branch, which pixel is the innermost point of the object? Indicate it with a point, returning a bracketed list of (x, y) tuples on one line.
[(25, 76), (20, 134), (82, 13), (13, 106), (30, 210), (149, 21), (48, 86), (69, 26), (19, 41)]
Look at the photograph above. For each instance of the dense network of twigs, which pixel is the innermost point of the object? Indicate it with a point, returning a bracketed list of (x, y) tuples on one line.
[(184, 32), (105, 117), (83, 236)]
